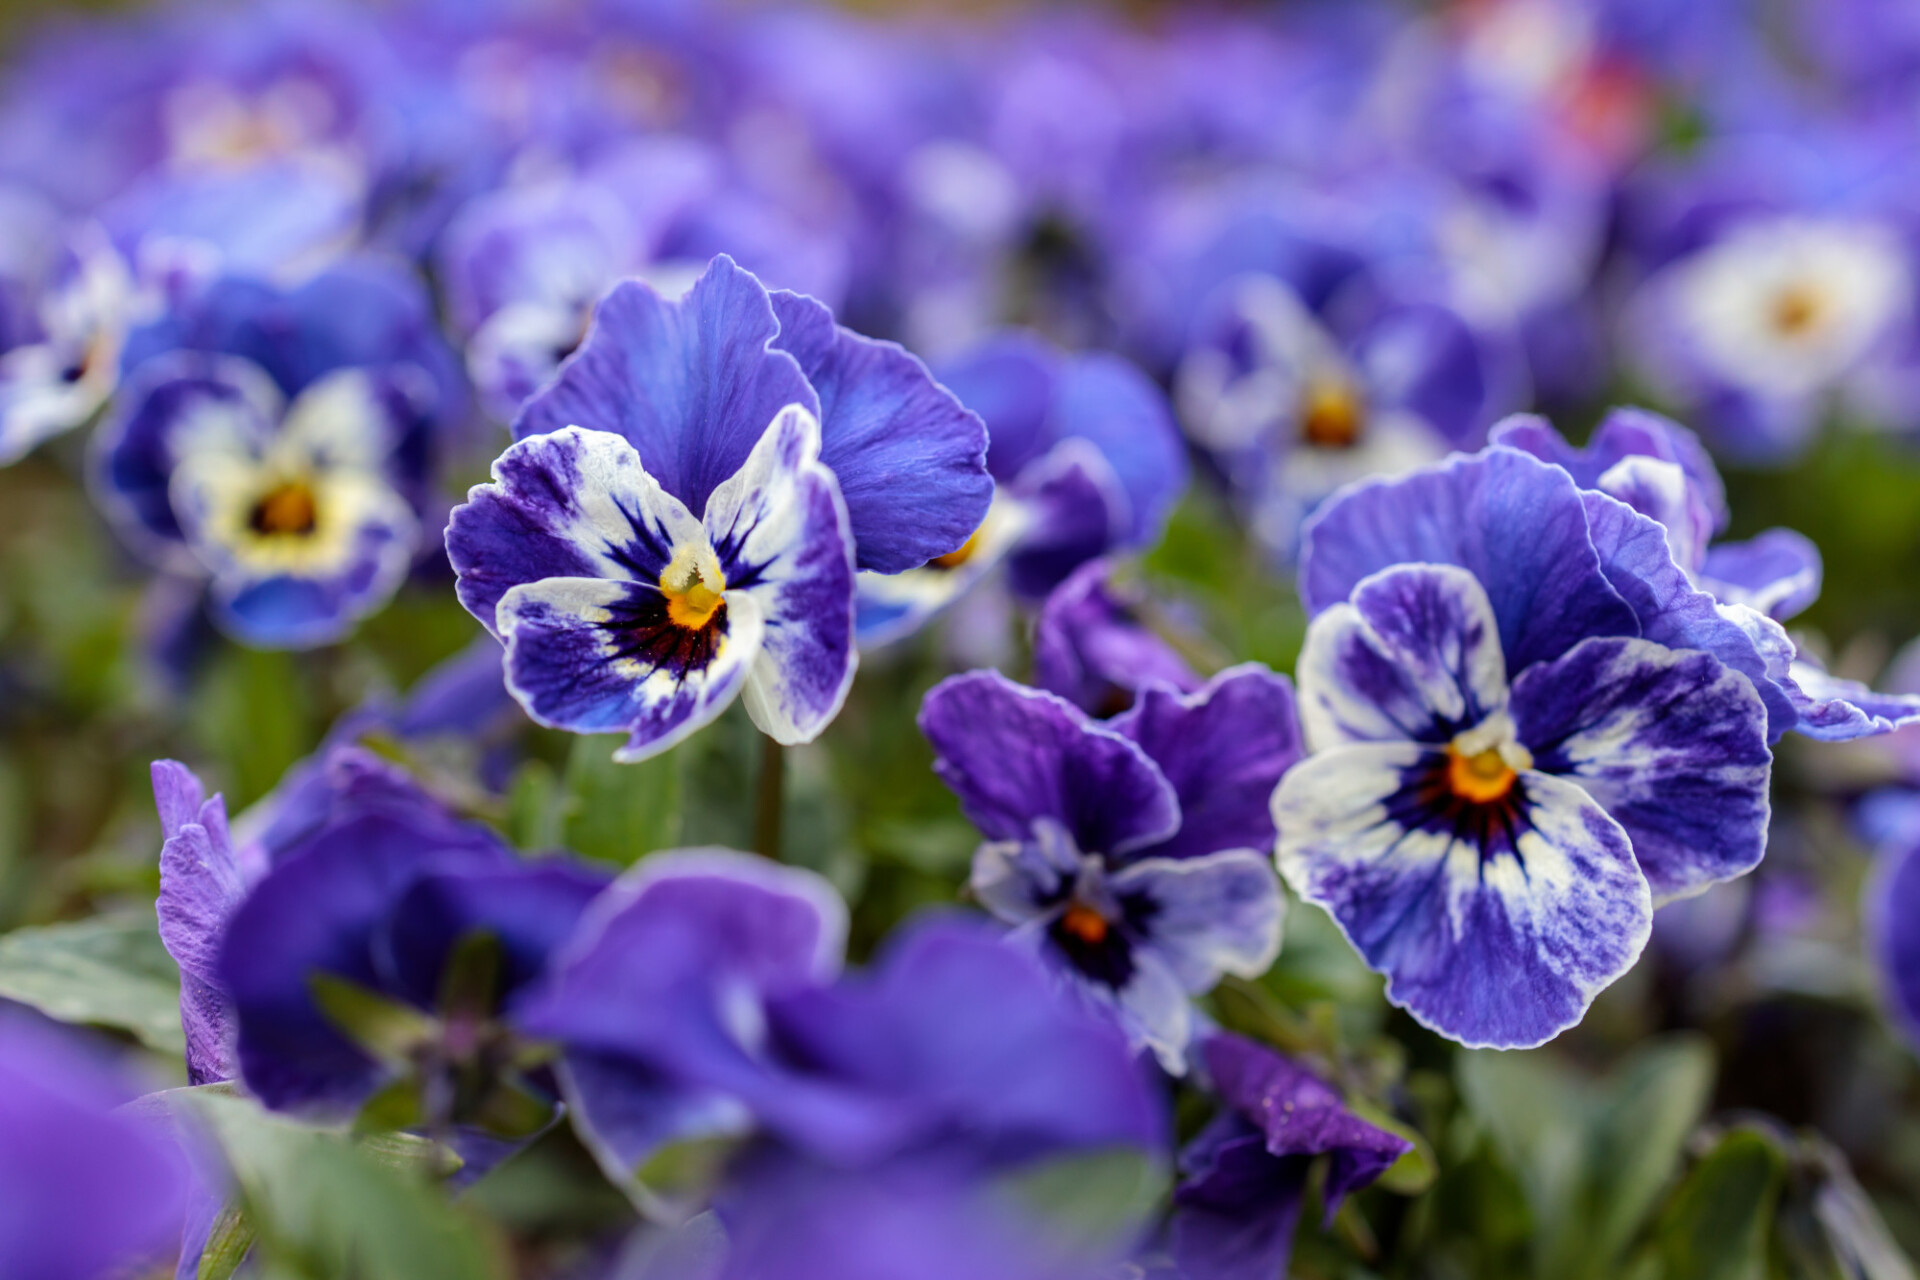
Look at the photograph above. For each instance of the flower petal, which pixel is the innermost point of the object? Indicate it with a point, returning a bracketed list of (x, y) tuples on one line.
[(1416, 655), (1091, 649), (1076, 510), (1501, 947), (1223, 749), (1892, 914), (1833, 709), (910, 459), (1209, 916), (779, 528), (690, 383), (1014, 755), (1777, 572), (1672, 744), (573, 504), (593, 656), (1514, 522)]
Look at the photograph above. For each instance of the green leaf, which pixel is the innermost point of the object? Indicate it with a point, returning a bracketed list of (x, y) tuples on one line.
[(228, 1242), (1716, 1225), (1094, 1198), (254, 711), (1656, 1099), (109, 971), (327, 1210), (616, 812), (389, 1031)]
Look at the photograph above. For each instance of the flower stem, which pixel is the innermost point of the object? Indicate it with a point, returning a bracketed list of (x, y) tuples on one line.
[(770, 804)]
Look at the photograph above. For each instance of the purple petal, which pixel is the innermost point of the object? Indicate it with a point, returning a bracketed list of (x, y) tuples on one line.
[(1777, 572), (1008, 380), (1106, 401), (1892, 915), (1658, 490), (1501, 944), (1236, 1208), (1211, 915), (1223, 749), (1075, 510), (911, 461), (1635, 557), (1833, 709), (1415, 657), (200, 885), (1515, 523), (1673, 745), (592, 656), (691, 384), (1623, 433), (575, 504), (1014, 755), (1091, 649)]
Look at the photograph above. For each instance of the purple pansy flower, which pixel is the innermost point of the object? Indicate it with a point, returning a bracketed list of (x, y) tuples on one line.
[(1131, 850), (1085, 460), (88, 1191), (1523, 738), (62, 323), (1244, 1177), (365, 883), (1091, 648), (807, 450), (283, 446), (699, 998), (1659, 469)]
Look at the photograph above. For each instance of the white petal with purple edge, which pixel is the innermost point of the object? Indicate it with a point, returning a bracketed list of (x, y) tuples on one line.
[(779, 527), (1211, 916), (594, 656), (1501, 949), (1415, 654), (1024, 880)]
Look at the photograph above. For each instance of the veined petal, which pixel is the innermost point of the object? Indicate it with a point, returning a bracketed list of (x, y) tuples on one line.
[(1223, 749), (1209, 916), (779, 528), (690, 383), (911, 460), (1833, 709), (573, 504), (1515, 523), (1015, 755), (1673, 745), (594, 656), (1659, 491), (1415, 655), (1497, 937)]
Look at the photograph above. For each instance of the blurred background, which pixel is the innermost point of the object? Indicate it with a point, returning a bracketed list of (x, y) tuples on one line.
[(1337, 239)]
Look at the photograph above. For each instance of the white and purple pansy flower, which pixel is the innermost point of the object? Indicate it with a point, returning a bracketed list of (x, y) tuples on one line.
[(61, 359), (1085, 459), (1658, 468), (1511, 765), (1126, 850), (683, 514)]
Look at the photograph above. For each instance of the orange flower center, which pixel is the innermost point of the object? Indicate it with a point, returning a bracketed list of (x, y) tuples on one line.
[(1331, 416), (1086, 924), (1482, 777), (287, 509), (957, 557), (694, 591)]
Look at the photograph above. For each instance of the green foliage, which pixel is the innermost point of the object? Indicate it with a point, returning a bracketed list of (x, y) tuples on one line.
[(109, 971), (1715, 1227), (618, 813), (324, 1208)]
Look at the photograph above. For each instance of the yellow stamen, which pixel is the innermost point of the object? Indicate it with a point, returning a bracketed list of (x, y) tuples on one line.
[(957, 557), (1482, 777), (693, 589), (1086, 924), (1796, 309), (287, 509), (1331, 416)]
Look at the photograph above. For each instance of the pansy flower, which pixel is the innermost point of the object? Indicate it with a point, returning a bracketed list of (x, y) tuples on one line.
[(1659, 469), (682, 517), (1244, 1177), (1127, 850), (282, 446), (1093, 648), (1294, 407), (365, 939), (61, 356), (1522, 739), (1085, 460)]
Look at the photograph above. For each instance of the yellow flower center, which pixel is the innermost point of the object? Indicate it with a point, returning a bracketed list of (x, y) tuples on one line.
[(957, 557), (693, 586), (288, 508), (1086, 924), (1331, 416), (1796, 310), (1481, 777)]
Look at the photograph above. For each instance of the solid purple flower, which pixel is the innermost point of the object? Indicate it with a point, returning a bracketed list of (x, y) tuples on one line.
[(85, 1191), (1091, 648), (1244, 1177), (1131, 852)]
